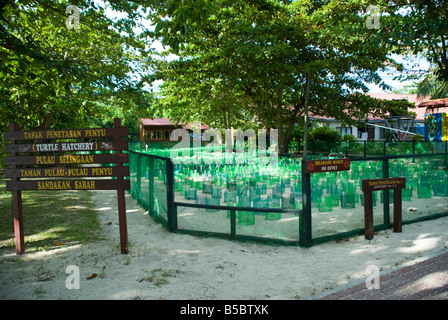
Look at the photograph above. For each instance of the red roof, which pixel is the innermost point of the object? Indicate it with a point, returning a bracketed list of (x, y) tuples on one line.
[(434, 106), (434, 103), (398, 96), (420, 114), (167, 122), (157, 122)]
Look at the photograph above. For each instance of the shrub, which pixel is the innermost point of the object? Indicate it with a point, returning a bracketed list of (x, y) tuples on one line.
[(348, 137), (325, 134), (417, 137)]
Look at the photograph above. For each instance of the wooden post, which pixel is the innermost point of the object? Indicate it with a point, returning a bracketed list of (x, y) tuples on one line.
[(368, 215), (17, 206), (397, 210), (172, 213), (121, 204), (372, 185), (305, 232)]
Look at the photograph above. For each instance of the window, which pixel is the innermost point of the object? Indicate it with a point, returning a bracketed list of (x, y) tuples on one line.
[(154, 135), (345, 130)]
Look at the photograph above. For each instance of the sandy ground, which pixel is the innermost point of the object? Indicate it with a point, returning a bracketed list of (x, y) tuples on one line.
[(163, 265)]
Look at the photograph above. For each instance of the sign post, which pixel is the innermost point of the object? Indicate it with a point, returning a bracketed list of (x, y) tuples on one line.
[(309, 167), (17, 207), (370, 185), (121, 198), (35, 162), (327, 165)]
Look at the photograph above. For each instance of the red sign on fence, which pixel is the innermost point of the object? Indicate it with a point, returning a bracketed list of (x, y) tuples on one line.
[(327, 165), (40, 163)]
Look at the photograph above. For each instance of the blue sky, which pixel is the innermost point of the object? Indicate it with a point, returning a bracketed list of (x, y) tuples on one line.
[(413, 66)]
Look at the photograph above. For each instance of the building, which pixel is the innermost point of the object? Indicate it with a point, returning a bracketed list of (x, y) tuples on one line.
[(375, 128), (158, 131), (436, 119)]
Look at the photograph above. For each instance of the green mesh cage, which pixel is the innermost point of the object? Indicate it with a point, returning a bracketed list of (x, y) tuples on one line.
[(241, 196)]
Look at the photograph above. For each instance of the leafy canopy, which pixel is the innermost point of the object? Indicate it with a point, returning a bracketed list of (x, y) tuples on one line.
[(252, 59), (51, 76)]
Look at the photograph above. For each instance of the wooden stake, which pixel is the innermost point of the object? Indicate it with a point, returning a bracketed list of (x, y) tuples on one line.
[(17, 206), (121, 203), (368, 215), (397, 210)]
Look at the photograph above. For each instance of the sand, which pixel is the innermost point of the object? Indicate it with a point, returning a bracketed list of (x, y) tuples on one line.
[(164, 265)]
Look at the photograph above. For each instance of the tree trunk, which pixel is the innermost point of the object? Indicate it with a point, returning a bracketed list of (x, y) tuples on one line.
[(284, 134), (47, 120)]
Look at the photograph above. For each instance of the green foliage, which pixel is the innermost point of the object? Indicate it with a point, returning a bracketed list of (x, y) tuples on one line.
[(52, 77), (251, 60), (349, 138), (417, 137), (241, 64), (325, 133), (417, 27), (432, 87)]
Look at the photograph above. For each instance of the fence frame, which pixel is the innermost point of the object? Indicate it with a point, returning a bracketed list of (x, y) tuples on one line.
[(306, 238)]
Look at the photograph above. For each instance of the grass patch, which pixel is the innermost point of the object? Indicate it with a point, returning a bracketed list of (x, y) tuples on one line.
[(50, 218)]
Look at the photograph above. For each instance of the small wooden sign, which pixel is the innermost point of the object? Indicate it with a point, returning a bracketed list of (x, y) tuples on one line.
[(327, 165), (371, 185), (67, 172), (54, 185), (95, 133), (41, 164), (383, 184), (66, 159), (67, 146)]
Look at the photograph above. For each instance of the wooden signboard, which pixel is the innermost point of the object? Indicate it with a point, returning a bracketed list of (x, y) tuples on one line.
[(57, 165), (383, 184), (66, 159), (327, 165), (67, 146), (370, 185), (67, 172)]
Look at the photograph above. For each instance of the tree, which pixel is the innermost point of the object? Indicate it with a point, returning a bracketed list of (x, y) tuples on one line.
[(418, 27), (253, 58), (431, 86), (53, 77)]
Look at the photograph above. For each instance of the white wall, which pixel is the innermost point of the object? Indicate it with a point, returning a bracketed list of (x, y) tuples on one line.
[(336, 124)]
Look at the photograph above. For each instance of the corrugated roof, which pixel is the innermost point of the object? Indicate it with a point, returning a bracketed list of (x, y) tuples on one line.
[(157, 122), (434, 103), (167, 122)]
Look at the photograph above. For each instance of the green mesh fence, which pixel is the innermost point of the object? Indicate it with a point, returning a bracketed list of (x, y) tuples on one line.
[(426, 192), (358, 149), (273, 192), (251, 200), (337, 200), (149, 184)]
